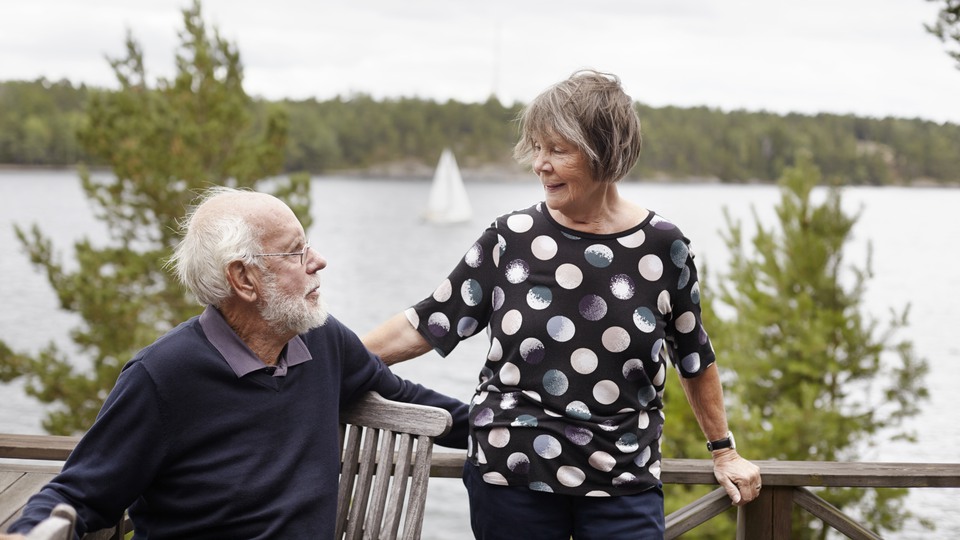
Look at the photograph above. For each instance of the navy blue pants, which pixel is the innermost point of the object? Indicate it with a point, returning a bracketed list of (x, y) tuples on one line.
[(511, 513)]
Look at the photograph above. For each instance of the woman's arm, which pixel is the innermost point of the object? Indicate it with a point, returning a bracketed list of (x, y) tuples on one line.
[(739, 477), (396, 340)]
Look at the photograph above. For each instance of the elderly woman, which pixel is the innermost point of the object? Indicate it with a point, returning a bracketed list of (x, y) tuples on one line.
[(585, 297)]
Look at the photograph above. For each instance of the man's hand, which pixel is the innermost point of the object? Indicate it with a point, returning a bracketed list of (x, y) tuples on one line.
[(739, 477)]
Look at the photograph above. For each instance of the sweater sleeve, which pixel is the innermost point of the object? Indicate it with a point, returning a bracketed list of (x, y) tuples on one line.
[(112, 463)]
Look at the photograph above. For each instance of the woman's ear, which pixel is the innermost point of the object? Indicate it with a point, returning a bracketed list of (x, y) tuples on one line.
[(245, 283)]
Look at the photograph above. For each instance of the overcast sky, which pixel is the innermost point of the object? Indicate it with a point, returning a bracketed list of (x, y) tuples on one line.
[(865, 57)]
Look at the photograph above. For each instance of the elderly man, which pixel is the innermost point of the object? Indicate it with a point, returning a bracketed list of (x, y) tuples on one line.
[(226, 427)]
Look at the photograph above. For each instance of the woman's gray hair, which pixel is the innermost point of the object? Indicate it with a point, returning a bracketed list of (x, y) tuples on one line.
[(211, 241), (590, 110)]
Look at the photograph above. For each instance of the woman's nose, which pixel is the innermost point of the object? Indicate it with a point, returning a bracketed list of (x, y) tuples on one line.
[(540, 161)]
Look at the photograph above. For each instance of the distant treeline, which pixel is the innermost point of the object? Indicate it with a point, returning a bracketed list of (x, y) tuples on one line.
[(39, 119)]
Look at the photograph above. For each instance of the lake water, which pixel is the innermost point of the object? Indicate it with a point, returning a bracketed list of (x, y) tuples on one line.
[(382, 258)]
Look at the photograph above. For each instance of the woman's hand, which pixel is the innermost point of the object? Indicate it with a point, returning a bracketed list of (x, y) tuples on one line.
[(739, 477)]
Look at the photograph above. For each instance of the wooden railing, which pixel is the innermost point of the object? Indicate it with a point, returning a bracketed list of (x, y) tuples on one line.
[(785, 484)]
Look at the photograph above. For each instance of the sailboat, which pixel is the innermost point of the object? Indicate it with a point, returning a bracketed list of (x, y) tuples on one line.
[(448, 202)]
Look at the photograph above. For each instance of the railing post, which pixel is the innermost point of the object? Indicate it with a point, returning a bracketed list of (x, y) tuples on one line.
[(768, 517)]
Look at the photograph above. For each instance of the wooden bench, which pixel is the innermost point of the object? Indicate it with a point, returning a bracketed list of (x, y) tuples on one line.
[(386, 453)]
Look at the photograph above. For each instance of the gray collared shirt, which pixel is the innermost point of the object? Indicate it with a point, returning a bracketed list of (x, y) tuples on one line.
[(239, 356)]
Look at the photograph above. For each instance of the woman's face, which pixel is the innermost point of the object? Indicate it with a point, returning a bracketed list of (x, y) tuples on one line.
[(564, 171)]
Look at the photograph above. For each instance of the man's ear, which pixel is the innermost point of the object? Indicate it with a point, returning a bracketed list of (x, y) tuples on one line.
[(245, 283)]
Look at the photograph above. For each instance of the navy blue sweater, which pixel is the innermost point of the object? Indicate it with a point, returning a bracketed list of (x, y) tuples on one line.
[(195, 452)]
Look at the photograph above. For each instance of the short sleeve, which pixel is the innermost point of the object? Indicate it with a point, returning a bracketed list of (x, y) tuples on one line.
[(463, 302)]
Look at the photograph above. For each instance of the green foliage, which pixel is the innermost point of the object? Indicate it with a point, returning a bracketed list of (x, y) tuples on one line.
[(807, 375), (947, 26), (164, 145), (358, 133), (38, 122)]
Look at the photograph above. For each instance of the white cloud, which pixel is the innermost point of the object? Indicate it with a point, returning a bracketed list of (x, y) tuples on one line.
[(857, 56)]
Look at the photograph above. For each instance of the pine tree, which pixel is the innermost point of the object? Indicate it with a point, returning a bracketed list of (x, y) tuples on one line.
[(807, 374), (947, 26), (164, 145)]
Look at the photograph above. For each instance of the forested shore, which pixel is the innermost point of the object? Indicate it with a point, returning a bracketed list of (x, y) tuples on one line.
[(357, 134)]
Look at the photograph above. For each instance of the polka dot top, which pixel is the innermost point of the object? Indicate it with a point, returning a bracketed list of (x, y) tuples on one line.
[(581, 327)]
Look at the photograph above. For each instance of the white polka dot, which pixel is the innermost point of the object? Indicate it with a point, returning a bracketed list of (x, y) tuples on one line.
[(499, 437), (495, 354), (599, 255), (495, 478), (570, 476), (597, 493), (644, 319), (508, 401), (633, 369), (498, 251), (606, 392), (654, 469), (510, 374), (412, 317), (561, 328), (471, 292), (643, 421), (664, 305), (483, 417), (686, 322), (555, 382), (543, 248), (569, 276), (547, 446), (643, 457), (602, 461), (552, 413), (443, 292), (625, 479), (584, 361), (579, 436), (622, 287), (474, 256), (518, 462), (533, 396), (498, 298), (634, 240), (539, 297), (511, 322), (467, 326), (615, 339), (651, 267), (519, 223), (578, 410), (661, 375), (691, 363), (532, 350), (657, 350), (438, 324), (517, 271)]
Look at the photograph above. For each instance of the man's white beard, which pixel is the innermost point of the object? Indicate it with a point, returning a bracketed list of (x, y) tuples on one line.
[(286, 313)]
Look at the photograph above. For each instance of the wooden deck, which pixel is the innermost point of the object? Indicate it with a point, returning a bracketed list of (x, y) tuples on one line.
[(785, 484)]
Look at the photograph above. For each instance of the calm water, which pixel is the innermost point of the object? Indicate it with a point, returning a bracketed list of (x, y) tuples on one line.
[(383, 258)]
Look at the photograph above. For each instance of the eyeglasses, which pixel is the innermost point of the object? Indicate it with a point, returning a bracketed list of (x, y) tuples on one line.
[(301, 254)]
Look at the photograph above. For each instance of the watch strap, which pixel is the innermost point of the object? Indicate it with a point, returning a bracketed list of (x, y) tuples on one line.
[(720, 444)]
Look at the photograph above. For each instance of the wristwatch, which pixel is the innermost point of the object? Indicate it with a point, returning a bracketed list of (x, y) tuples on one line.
[(719, 444)]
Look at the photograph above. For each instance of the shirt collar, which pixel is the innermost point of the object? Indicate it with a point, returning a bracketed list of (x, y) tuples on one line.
[(239, 356)]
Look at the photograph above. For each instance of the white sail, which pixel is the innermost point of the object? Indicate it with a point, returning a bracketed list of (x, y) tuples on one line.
[(448, 202)]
